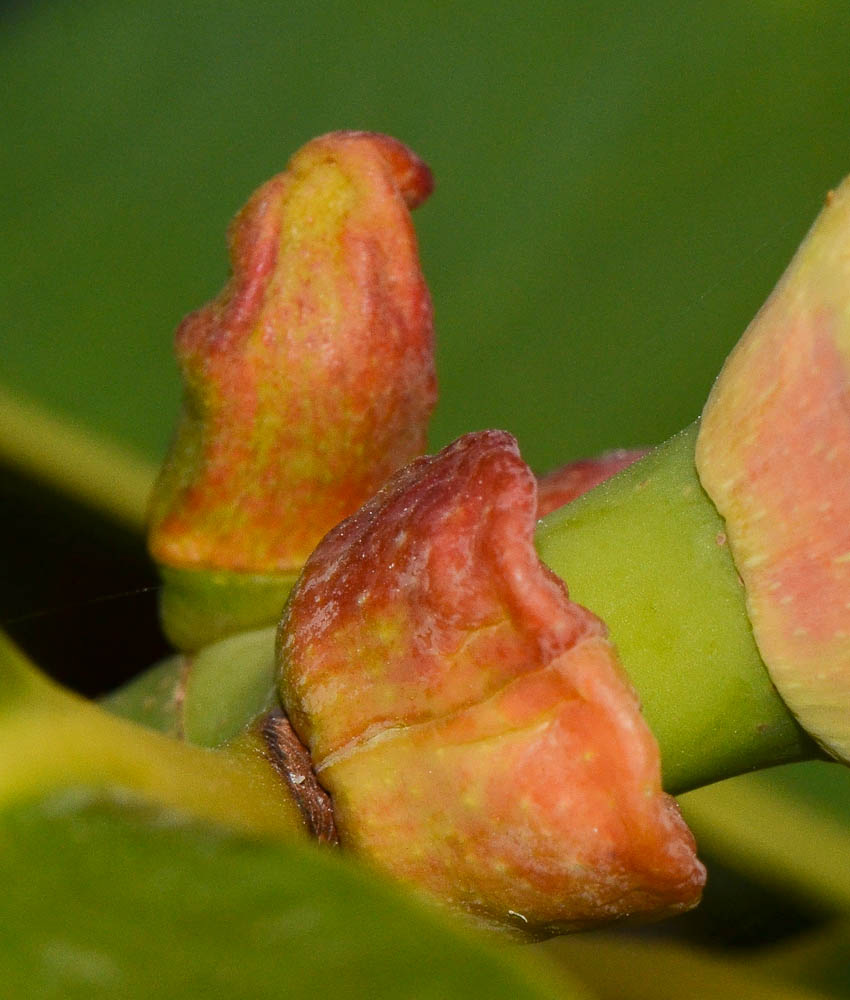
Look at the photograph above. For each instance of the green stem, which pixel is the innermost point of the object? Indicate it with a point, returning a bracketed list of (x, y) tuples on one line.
[(207, 698), (74, 460), (51, 739), (200, 607), (647, 552)]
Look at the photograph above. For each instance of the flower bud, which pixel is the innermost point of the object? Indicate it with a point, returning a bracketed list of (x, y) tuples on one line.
[(471, 723), (568, 482), (307, 382), (773, 454)]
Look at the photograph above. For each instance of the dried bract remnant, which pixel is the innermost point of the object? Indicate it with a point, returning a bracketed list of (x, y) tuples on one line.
[(310, 379), (471, 723), (773, 453), (563, 485)]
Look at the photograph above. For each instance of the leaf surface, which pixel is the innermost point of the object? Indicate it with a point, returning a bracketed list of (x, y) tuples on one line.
[(106, 900)]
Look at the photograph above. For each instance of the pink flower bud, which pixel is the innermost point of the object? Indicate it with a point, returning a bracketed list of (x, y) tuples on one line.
[(773, 454)]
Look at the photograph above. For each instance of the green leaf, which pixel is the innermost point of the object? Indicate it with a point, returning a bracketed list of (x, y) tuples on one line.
[(102, 900), (136, 865)]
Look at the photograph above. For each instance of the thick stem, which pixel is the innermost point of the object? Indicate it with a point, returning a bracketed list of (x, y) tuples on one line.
[(51, 739), (199, 607), (647, 552)]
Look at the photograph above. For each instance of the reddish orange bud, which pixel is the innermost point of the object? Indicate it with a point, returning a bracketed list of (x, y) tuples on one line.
[(471, 723), (309, 380), (568, 482)]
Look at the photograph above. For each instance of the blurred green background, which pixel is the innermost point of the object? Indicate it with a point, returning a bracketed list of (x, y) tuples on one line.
[(618, 187)]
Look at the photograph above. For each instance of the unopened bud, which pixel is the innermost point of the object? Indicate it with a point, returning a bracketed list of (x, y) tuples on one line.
[(471, 723), (307, 382)]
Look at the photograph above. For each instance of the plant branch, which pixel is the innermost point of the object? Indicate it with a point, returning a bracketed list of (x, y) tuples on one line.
[(647, 552)]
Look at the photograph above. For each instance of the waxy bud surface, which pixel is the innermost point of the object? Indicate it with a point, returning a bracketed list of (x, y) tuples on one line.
[(471, 723), (310, 378)]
